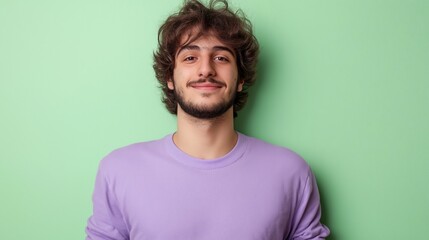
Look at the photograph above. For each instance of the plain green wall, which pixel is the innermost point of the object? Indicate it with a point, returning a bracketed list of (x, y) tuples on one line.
[(343, 83)]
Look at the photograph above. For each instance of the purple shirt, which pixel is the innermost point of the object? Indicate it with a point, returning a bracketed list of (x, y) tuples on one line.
[(154, 191)]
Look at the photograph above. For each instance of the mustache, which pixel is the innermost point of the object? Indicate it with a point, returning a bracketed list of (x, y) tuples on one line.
[(202, 80)]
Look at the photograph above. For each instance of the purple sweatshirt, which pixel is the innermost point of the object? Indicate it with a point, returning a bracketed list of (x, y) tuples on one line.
[(154, 191)]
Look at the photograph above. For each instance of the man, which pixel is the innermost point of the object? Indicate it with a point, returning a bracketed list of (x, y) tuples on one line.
[(205, 181)]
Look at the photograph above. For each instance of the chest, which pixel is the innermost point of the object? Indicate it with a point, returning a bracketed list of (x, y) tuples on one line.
[(205, 206)]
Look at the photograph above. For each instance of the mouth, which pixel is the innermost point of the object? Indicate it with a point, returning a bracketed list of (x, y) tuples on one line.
[(206, 85)]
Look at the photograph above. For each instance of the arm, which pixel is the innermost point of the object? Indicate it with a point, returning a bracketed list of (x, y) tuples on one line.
[(106, 222), (307, 225)]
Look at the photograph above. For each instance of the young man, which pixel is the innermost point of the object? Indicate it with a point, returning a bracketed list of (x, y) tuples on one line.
[(205, 181)]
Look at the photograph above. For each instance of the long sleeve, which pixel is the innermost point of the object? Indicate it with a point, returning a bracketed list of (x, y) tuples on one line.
[(155, 191), (106, 222), (307, 216)]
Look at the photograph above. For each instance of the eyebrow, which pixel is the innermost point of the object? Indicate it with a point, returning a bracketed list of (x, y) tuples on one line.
[(195, 47)]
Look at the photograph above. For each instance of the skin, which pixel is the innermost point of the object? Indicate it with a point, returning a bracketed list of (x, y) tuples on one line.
[(205, 58)]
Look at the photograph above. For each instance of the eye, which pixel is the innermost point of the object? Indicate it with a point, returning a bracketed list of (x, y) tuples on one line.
[(189, 59), (221, 59)]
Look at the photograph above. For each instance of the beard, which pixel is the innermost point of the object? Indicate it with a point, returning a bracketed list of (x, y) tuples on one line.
[(201, 111)]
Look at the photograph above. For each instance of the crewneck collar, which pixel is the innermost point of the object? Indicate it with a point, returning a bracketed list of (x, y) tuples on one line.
[(234, 155)]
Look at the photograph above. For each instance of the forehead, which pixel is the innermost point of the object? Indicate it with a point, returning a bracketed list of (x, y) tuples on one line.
[(203, 42)]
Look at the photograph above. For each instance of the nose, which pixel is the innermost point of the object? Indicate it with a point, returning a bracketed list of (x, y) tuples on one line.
[(207, 68)]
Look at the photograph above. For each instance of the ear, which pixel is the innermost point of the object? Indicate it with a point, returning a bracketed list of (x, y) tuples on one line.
[(170, 84), (240, 85)]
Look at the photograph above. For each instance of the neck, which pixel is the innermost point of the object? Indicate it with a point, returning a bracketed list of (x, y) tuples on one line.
[(205, 138)]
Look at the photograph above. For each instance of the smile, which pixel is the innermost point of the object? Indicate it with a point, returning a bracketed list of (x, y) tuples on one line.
[(206, 86)]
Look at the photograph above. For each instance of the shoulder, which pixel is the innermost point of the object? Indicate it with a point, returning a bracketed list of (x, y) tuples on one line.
[(132, 155), (277, 157)]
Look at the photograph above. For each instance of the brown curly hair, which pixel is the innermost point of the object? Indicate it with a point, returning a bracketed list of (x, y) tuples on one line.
[(231, 28)]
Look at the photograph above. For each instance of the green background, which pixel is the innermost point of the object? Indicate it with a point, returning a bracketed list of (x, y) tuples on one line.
[(343, 83)]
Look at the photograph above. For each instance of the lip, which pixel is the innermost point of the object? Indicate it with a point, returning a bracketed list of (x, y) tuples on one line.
[(206, 86)]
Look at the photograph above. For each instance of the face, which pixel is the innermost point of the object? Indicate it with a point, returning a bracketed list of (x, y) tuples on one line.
[(205, 79)]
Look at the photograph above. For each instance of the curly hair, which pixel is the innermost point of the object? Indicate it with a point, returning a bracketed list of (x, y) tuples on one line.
[(231, 28)]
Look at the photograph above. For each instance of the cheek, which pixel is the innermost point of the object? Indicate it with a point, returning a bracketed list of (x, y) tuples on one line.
[(181, 76)]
